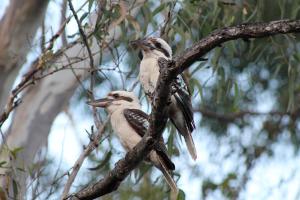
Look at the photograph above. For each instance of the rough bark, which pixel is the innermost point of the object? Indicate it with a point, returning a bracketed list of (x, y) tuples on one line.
[(17, 30), (243, 31), (124, 166)]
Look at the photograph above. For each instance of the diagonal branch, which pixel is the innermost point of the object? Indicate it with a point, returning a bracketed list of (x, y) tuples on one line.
[(159, 116), (243, 31), (91, 59)]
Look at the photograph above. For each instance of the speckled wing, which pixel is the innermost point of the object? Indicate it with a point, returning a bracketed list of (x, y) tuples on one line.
[(138, 120), (182, 95), (182, 84)]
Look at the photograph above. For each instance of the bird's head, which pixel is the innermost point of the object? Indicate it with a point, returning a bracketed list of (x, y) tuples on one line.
[(117, 100), (153, 47)]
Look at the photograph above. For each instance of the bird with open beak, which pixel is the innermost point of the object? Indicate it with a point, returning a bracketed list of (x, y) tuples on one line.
[(180, 109), (130, 124)]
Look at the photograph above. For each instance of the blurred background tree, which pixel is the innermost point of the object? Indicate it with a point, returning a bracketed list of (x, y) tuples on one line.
[(245, 98)]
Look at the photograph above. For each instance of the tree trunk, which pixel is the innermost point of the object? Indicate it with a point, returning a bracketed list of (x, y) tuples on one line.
[(42, 102), (17, 30)]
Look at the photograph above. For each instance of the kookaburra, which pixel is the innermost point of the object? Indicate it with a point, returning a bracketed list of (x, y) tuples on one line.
[(130, 124), (180, 110)]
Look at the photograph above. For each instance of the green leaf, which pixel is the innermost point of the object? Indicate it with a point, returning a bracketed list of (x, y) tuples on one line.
[(15, 188), (219, 94), (135, 25), (142, 171), (83, 17), (201, 64), (146, 12), (221, 73), (221, 84), (2, 163), (103, 162), (15, 151), (90, 5), (159, 9), (21, 169), (236, 94), (291, 88), (73, 35), (296, 56), (181, 195), (197, 84), (215, 59), (229, 85)]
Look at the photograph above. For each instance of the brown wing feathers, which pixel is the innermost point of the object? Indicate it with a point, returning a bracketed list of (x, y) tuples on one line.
[(138, 120)]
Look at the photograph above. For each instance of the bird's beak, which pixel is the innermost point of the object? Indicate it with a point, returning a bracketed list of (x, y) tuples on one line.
[(103, 103), (140, 43)]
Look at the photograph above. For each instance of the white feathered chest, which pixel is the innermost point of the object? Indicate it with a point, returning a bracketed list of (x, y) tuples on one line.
[(149, 72)]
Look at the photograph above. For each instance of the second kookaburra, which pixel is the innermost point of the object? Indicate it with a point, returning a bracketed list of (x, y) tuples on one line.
[(180, 111), (130, 124)]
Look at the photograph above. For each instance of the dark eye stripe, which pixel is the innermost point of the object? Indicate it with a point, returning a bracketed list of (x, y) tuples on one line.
[(126, 98), (165, 52), (157, 45), (159, 48), (140, 55), (118, 97)]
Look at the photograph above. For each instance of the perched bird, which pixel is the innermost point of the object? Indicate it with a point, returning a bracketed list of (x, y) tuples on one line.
[(180, 110), (130, 124)]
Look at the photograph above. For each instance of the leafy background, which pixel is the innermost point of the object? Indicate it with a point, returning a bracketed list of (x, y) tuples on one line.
[(245, 98)]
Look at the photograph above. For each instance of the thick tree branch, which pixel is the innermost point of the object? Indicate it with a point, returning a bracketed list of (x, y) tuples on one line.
[(158, 116), (243, 31)]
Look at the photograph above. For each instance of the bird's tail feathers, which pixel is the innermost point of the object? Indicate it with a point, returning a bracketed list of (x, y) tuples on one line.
[(182, 130), (166, 160), (190, 145), (167, 176)]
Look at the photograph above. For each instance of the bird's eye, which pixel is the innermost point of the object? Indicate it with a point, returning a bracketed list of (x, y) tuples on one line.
[(140, 55), (157, 45), (116, 95)]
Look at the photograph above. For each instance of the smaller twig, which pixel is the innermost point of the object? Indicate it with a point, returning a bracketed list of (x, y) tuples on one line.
[(133, 85), (28, 77), (90, 147), (43, 37), (9, 107), (92, 67), (164, 31), (82, 34)]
